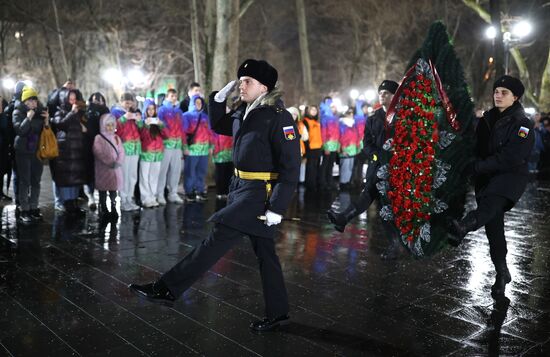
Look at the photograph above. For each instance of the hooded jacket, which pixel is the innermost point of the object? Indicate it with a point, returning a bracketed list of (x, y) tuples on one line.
[(152, 148), (171, 117), (223, 148), (128, 131), (109, 155), (330, 128), (350, 140), (201, 142)]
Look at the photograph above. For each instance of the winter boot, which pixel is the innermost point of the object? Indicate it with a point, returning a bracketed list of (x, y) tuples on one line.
[(340, 219), (103, 211), (73, 208), (503, 277), (114, 214), (112, 196), (459, 229)]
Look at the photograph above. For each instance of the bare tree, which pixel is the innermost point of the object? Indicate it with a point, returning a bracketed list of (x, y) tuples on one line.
[(304, 48), (195, 41)]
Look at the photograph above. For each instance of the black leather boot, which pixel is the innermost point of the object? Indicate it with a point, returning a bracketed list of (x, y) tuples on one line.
[(340, 219), (459, 229), (503, 277), (73, 209), (156, 292), (267, 324), (114, 214)]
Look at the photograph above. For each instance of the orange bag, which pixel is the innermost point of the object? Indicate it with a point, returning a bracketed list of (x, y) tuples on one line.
[(47, 145)]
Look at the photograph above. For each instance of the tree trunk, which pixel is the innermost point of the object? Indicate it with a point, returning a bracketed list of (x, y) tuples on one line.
[(304, 48), (61, 47), (499, 55), (195, 42), (210, 44), (234, 38), (220, 70), (544, 97)]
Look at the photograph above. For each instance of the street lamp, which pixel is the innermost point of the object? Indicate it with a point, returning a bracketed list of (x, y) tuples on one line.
[(491, 32), (136, 77), (370, 95), (522, 29), (8, 83), (515, 30), (113, 76)]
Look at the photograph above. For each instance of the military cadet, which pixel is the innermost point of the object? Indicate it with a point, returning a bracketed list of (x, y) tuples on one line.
[(504, 142), (266, 154), (374, 138)]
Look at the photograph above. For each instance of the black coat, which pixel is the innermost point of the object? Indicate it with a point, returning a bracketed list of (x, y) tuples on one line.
[(375, 133), (259, 145), (504, 144), (373, 140), (71, 167), (7, 136), (27, 131)]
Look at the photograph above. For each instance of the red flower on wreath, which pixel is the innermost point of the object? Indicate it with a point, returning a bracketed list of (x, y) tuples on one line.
[(410, 167)]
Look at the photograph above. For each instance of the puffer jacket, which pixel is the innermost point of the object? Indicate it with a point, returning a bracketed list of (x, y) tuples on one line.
[(71, 167), (27, 131)]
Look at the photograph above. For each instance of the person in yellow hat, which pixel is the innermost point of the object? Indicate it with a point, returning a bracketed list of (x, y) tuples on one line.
[(29, 118)]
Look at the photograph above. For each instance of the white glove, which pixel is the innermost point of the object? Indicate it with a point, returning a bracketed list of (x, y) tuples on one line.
[(221, 96), (272, 218)]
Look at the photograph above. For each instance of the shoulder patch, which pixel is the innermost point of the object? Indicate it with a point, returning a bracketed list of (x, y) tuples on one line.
[(289, 133), (523, 132)]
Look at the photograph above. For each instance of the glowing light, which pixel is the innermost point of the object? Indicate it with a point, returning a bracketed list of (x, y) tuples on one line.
[(530, 110), (28, 82), (522, 29), (370, 110), (491, 59), (353, 94), (136, 77), (113, 76), (491, 32), (139, 98), (302, 107), (8, 83), (370, 95)]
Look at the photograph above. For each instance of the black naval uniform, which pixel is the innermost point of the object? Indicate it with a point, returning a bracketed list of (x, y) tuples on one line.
[(375, 136), (266, 155), (504, 143)]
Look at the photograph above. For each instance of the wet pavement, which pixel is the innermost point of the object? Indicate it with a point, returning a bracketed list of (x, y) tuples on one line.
[(63, 288)]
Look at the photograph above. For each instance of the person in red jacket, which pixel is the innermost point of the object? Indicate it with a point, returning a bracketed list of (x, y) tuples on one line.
[(152, 151)]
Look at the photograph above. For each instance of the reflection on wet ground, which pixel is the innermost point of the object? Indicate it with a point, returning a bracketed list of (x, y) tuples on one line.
[(63, 288)]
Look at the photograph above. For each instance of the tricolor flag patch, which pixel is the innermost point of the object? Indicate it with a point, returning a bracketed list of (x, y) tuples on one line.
[(289, 132), (523, 132)]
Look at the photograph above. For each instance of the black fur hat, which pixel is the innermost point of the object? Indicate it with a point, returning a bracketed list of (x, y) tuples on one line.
[(510, 83), (260, 70), (390, 86)]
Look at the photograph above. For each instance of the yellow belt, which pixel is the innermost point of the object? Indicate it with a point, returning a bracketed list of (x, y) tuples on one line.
[(259, 176)]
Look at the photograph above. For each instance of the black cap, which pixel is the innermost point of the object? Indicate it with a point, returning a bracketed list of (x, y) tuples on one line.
[(390, 86), (260, 70), (511, 83)]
